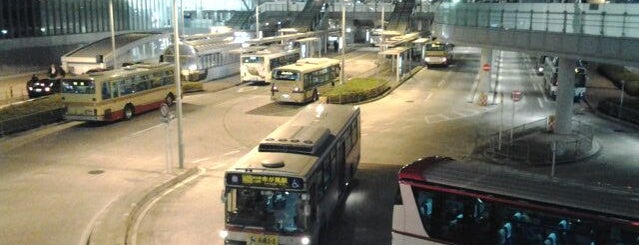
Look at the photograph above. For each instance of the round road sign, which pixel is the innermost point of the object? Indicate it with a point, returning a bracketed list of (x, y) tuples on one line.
[(486, 67)]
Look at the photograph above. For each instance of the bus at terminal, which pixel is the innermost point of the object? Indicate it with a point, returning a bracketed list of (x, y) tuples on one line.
[(305, 80), (118, 94), (443, 201), (256, 67), (437, 53), (285, 190)]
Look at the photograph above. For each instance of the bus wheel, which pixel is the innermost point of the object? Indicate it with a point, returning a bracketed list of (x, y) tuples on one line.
[(315, 96), (169, 100), (129, 111)]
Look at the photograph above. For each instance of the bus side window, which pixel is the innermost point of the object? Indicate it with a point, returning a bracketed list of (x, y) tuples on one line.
[(425, 200), (106, 93), (114, 89), (327, 175)]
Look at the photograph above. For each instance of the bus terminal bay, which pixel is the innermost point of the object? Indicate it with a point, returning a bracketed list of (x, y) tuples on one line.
[(462, 147)]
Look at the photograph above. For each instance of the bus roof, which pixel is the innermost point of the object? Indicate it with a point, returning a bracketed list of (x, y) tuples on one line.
[(501, 180), (136, 68), (318, 122), (309, 64), (103, 46)]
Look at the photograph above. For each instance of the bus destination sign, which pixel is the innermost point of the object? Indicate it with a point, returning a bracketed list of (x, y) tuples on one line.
[(265, 181)]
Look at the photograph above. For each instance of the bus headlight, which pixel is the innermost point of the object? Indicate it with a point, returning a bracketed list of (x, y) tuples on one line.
[(296, 90), (30, 88), (541, 69), (306, 240), (47, 89), (192, 67), (224, 234), (444, 59)]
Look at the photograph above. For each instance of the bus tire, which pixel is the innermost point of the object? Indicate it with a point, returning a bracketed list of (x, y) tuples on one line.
[(129, 111), (170, 99), (315, 96)]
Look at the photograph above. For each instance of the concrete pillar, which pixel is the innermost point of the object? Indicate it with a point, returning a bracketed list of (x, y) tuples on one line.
[(565, 96), (484, 76)]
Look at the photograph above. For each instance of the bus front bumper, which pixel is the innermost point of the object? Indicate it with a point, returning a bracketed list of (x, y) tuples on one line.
[(83, 118), (288, 97)]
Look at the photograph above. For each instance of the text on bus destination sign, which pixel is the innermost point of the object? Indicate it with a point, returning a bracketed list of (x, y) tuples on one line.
[(265, 181)]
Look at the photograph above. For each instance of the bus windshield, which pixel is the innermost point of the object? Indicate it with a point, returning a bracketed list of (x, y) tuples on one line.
[(252, 59), (285, 75), (77, 86), (273, 210), (435, 47)]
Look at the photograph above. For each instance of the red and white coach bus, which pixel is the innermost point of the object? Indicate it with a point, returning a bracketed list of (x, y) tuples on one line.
[(443, 201)]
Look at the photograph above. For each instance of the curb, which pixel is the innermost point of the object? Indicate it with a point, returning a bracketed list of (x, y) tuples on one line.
[(596, 147), (392, 88), (111, 229)]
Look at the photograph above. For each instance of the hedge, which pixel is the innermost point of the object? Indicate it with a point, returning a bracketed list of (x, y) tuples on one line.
[(356, 90)]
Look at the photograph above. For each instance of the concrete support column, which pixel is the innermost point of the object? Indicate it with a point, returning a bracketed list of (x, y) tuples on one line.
[(565, 96), (484, 76)]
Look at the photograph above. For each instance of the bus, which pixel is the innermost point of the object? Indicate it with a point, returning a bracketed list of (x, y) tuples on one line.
[(118, 94), (256, 67), (551, 78), (286, 189), (305, 80), (206, 56), (437, 53), (443, 201)]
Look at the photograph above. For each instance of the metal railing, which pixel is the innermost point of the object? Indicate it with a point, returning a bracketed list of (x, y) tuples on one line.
[(624, 113), (525, 148), (611, 20)]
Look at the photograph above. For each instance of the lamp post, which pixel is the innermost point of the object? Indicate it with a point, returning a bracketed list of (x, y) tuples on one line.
[(178, 83), (112, 25), (343, 44), (257, 19)]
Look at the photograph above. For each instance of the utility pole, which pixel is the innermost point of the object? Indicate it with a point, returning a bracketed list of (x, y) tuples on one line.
[(178, 82), (112, 24), (341, 81)]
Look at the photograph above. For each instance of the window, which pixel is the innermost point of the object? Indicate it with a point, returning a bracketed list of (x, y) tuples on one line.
[(126, 87), (326, 174), (106, 92)]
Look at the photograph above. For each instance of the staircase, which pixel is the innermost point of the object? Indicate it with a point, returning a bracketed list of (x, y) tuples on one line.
[(240, 20), (312, 17), (400, 18)]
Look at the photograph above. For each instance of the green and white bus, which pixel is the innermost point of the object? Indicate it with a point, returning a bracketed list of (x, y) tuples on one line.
[(305, 80), (286, 189)]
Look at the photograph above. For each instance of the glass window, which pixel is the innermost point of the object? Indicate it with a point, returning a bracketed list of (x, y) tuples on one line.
[(77, 86), (126, 87), (106, 92), (326, 174), (285, 75)]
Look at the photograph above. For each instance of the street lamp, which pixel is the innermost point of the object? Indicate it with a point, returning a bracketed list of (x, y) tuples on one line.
[(178, 83), (112, 25), (343, 44)]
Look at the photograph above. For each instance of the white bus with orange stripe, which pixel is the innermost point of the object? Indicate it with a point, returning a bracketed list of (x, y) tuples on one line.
[(118, 94)]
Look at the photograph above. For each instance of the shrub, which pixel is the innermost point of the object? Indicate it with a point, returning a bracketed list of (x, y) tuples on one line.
[(189, 87), (357, 89)]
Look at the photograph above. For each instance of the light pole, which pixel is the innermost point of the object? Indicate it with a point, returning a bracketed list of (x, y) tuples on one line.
[(343, 44), (257, 19), (178, 83), (112, 24)]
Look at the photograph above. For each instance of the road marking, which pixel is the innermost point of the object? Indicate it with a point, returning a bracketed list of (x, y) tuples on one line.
[(200, 160), (540, 104), (441, 82), (218, 165), (146, 208), (86, 234), (246, 88), (428, 96), (144, 130), (535, 87), (231, 152)]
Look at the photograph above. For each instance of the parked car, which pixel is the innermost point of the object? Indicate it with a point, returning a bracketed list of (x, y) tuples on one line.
[(43, 87)]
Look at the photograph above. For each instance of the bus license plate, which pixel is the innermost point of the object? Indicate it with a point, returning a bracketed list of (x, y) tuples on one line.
[(262, 240)]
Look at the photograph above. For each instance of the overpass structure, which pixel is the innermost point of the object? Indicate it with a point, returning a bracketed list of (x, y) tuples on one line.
[(603, 33)]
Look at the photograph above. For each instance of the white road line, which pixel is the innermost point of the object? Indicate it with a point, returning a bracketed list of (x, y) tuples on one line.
[(86, 234), (428, 96), (440, 83), (535, 86), (540, 104), (200, 160), (246, 88), (146, 208), (231, 152), (218, 165), (144, 130)]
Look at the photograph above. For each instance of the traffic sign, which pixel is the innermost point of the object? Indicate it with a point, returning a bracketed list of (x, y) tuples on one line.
[(485, 67), (516, 95)]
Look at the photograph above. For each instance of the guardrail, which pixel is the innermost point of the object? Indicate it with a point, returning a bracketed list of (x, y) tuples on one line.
[(538, 152), (610, 20), (622, 113)]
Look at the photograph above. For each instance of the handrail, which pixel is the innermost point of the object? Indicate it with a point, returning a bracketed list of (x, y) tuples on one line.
[(610, 20)]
